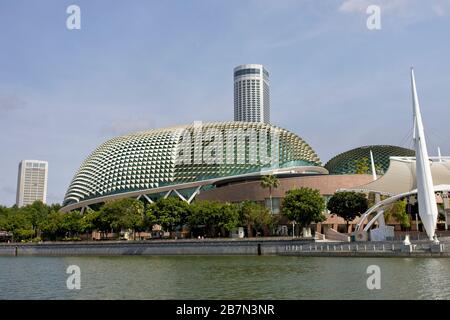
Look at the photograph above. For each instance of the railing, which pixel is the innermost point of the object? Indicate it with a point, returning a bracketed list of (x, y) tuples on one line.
[(359, 247)]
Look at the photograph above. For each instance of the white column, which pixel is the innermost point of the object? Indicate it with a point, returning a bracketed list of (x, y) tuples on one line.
[(425, 191)]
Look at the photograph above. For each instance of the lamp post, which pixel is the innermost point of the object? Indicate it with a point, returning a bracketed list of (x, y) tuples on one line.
[(293, 229)]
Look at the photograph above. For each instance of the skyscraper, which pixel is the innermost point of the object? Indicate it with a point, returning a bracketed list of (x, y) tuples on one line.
[(32, 182), (251, 93)]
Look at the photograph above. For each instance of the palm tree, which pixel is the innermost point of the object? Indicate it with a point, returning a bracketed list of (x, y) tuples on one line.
[(270, 181)]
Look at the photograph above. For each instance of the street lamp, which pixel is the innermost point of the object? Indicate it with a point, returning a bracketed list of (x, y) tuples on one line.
[(293, 229)]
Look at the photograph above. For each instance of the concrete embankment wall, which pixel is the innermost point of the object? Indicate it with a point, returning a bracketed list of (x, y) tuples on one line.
[(223, 247), (180, 247)]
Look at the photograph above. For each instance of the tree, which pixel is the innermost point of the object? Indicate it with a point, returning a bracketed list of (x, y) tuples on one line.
[(255, 216), (398, 211), (379, 169), (362, 166), (270, 181), (169, 212), (36, 214), (71, 223), (88, 221), (39, 220), (18, 223), (304, 206), (231, 217), (122, 214), (3, 217), (51, 228), (214, 216), (348, 205)]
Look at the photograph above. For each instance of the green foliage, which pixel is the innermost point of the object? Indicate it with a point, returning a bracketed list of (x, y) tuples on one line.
[(362, 166), (398, 211), (379, 169), (16, 221), (348, 204), (255, 216), (60, 224), (47, 222), (304, 206), (88, 221), (122, 214), (214, 216), (270, 181), (168, 213)]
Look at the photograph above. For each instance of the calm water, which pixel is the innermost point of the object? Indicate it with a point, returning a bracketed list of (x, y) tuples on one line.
[(200, 277)]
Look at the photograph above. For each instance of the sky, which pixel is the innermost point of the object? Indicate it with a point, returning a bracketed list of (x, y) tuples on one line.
[(137, 65)]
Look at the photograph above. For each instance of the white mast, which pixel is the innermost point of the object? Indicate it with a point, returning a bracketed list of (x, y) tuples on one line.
[(381, 221), (372, 163), (439, 154), (425, 191)]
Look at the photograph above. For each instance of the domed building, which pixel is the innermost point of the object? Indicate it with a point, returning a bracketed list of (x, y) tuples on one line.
[(357, 161), (186, 159), (221, 161)]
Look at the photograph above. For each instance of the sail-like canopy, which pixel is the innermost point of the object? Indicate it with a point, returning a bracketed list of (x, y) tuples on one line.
[(401, 176)]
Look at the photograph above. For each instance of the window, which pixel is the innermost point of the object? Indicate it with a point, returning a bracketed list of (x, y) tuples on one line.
[(276, 204), (246, 71)]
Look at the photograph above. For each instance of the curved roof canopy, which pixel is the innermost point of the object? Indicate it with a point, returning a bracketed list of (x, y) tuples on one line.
[(401, 176)]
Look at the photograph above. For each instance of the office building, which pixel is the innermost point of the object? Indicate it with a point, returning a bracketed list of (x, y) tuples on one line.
[(251, 93), (32, 182)]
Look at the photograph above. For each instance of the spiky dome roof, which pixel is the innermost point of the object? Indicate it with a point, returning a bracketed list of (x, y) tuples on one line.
[(146, 160), (348, 162)]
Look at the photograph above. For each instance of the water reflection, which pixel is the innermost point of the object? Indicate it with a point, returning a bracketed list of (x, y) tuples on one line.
[(432, 279), (200, 277)]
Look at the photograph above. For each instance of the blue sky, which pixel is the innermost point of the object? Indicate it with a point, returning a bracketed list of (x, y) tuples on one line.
[(136, 65)]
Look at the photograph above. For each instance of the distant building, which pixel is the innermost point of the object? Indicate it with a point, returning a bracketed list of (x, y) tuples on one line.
[(251, 93), (32, 182)]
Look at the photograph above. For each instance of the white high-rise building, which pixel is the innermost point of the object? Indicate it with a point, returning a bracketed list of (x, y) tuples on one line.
[(251, 93), (32, 182)]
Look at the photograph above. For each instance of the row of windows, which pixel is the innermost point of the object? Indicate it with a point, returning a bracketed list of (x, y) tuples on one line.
[(35, 165), (243, 103), (248, 86), (248, 95), (248, 81), (246, 71)]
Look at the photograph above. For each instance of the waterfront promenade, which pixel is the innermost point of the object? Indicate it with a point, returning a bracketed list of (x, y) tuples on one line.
[(250, 247)]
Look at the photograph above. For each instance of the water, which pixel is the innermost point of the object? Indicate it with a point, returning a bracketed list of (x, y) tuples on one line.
[(223, 277)]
